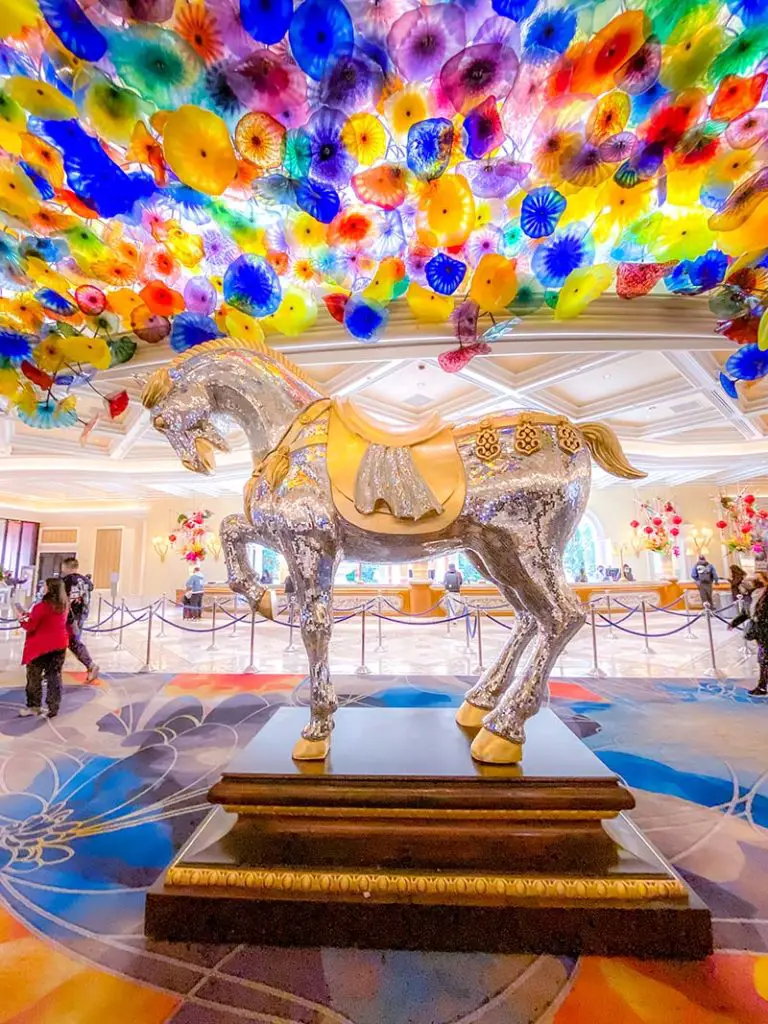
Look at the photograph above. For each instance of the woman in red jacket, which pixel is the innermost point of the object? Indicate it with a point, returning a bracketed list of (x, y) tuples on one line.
[(45, 648)]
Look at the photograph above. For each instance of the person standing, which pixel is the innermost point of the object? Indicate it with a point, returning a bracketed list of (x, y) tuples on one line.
[(196, 586), (453, 581), (704, 575), (78, 589), (45, 648), (757, 616)]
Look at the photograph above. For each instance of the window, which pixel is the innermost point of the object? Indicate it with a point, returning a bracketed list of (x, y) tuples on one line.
[(580, 555)]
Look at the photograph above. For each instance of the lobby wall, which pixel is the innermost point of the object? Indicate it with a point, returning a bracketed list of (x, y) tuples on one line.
[(143, 573)]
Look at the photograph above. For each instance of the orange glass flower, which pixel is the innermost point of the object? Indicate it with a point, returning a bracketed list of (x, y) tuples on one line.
[(494, 283), (736, 95), (162, 300), (384, 186), (197, 26), (447, 211), (606, 51), (259, 139)]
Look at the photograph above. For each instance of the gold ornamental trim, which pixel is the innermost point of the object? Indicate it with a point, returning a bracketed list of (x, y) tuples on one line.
[(527, 438), (464, 814), (447, 887), (487, 442)]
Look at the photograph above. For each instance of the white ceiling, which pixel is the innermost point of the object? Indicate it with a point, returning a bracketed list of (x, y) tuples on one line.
[(648, 368)]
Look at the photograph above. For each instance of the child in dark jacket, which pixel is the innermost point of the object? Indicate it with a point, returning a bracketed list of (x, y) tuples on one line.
[(45, 647)]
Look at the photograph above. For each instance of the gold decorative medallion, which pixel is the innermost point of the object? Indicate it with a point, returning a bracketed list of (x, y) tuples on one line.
[(568, 438), (487, 444), (527, 438)]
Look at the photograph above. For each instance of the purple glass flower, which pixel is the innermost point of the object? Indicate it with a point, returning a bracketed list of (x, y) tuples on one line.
[(422, 40), (478, 72), (229, 23), (351, 84), (200, 295), (483, 130), (481, 243), (494, 179), (499, 30), (267, 83), (331, 162)]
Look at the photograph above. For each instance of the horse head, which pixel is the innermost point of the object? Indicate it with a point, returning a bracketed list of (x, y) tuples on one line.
[(181, 411)]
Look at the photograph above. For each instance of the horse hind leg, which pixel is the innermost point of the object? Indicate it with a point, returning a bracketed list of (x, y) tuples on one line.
[(559, 617), (487, 691)]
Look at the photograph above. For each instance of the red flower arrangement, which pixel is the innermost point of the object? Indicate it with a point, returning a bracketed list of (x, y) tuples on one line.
[(191, 539), (738, 522), (662, 526)]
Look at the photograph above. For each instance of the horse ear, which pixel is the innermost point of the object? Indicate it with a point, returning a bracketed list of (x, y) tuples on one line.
[(156, 387)]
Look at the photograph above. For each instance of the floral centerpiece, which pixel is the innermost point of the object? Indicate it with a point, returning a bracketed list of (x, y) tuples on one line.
[(742, 523), (191, 536), (657, 527)]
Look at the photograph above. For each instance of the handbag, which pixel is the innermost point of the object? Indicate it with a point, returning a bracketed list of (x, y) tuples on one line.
[(749, 631)]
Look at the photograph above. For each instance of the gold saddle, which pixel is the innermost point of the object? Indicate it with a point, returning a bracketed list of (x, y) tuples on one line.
[(389, 480)]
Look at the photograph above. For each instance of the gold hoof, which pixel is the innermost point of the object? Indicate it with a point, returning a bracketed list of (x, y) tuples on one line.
[(470, 716), (265, 605), (493, 749), (310, 750)]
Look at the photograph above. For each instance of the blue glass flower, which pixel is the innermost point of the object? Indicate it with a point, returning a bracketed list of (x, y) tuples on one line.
[(563, 253), (540, 211), (642, 103), (266, 20), (483, 131), (364, 319), (729, 387), (548, 34), (678, 280), (251, 285), (445, 274), (352, 84), (428, 149), (321, 31), (55, 303), (747, 363), (516, 10), (319, 201), (42, 184), (708, 270), (14, 344), (751, 12), (48, 415), (331, 161), (190, 329), (391, 239), (69, 22)]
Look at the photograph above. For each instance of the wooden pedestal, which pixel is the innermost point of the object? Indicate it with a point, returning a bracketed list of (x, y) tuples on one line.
[(401, 840)]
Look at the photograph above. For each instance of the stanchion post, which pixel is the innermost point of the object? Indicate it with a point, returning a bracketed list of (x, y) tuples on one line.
[(467, 628), (161, 632), (712, 668), (234, 616), (250, 667), (122, 624), (595, 672), (380, 610), (648, 649), (611, 634), (212, 645), (147, 666), (362, 668), (98, 611), (479, 634), (291, 616)]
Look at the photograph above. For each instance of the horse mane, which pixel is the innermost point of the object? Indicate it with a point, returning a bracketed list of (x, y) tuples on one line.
[(160, 382)]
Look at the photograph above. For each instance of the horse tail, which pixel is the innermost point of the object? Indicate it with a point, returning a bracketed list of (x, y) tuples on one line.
[(607, 452)]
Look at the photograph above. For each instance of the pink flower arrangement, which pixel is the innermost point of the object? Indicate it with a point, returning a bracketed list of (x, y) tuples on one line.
[(739, 518), (191, 536), (660, 522)]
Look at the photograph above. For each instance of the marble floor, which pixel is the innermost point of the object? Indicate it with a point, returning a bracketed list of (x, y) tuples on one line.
[(423, 646)]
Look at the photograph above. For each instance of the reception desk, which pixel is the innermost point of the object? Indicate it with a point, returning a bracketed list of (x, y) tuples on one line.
[(423, 597)]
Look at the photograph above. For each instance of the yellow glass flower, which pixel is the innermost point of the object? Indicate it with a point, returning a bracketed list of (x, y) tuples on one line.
[(307, 233), (685, 64), (404, 109), (94, 351), (682, 235), (427, 306), (112, 111), (187, 248), (18, 196), (26, 398), (48, 354), (18, 17), (43, 158), (45, 277), (123, 301), (239, 325), (295, 314), (40, 99), (304, 271), (9, 382), (365, 138), (447, 212), (581, 287), (198, 149), (494, 283), (25, 310), (382, 288)]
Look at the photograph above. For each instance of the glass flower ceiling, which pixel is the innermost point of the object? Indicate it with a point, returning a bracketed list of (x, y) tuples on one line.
[(185, 170)]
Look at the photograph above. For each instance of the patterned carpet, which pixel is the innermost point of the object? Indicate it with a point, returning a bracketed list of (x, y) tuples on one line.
[(94, 804)]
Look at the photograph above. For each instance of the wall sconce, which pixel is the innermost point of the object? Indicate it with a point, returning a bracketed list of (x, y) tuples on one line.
[(162, 546), (213, 544), (700, 538)]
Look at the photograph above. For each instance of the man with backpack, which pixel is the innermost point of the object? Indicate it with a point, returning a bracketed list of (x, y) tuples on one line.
[(78, 590), (704, 575)]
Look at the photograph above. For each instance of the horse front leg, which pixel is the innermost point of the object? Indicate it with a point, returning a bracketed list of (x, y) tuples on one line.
[(559, 617), (236, 533), (313, 566)]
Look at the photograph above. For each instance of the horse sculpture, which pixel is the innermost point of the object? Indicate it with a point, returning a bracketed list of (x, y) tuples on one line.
[(329, 483)]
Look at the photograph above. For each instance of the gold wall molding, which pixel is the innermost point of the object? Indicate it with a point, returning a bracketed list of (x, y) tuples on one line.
[(290, 811)]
